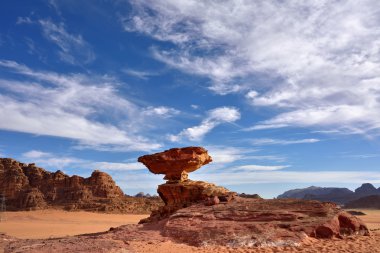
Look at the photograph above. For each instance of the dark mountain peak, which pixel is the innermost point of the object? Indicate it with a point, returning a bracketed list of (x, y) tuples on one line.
[(366, 189)]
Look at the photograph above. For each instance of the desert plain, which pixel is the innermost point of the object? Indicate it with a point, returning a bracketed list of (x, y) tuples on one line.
[(46, 224)]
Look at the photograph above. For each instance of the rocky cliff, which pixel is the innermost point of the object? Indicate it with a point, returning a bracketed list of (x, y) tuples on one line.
[(28, 187)]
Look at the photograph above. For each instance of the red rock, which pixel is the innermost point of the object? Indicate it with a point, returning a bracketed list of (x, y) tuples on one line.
[(258, 222), (175, 163), (212, 201), (28, 187), (241, 221)]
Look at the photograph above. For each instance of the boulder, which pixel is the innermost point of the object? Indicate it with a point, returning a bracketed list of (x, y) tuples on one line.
[(176, 163), (179, 191)]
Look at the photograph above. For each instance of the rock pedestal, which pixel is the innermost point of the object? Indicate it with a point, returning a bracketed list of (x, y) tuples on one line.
[(201, 213), (179, 191)]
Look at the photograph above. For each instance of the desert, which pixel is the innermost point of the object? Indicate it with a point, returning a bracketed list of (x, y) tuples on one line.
[(73, 223), (197, 216)]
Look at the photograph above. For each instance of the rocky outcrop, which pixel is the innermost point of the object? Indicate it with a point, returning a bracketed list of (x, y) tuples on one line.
[(176, 163), (179, 191), (201, 213), (259, 222), (28, 187)]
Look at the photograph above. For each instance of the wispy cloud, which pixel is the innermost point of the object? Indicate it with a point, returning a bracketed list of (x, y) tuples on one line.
[(73, 106), (55, 161), (36, 154), (302, 177), (72, 48), (315, 62), (161, 111), (111, 166), (50, 160), (361, 156), (264, 141), (140, 74), (214, 118), (255, 167)]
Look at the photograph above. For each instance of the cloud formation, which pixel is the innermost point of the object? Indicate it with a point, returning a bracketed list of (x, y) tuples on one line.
[(72, 48), (214, 118), (264, 141), (74, 106), (316, 63)]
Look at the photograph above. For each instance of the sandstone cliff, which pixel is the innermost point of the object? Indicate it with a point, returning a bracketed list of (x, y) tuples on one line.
[(28, 187)]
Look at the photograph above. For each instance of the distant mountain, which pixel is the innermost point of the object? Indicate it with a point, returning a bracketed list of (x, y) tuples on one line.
[(331, 194), (313, 191), (367, 190), (372, 201)]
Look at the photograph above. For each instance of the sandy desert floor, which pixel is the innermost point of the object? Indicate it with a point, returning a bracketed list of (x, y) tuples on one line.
[(44, 224), (56, 223)]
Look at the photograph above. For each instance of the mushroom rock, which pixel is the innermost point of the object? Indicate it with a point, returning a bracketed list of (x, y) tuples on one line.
[(201, 213), (179, 191), (176, 163)]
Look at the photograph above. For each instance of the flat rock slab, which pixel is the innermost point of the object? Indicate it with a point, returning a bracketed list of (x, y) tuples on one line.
[(259, 222)]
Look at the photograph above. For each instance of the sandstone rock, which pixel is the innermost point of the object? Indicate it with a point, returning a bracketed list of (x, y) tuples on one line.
[(179, 191), (201, 214), (175, 163), (259, 222), (28, 187), (212, 201)]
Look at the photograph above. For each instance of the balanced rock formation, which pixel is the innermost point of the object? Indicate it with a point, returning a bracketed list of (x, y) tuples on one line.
[(201, 213), (28, 187), (176, 163), (179, 191)]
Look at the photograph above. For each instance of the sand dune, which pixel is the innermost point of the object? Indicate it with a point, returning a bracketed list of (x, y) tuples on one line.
[(56, 223)]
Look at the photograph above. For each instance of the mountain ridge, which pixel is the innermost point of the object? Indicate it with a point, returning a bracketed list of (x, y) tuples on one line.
[(331, 194)]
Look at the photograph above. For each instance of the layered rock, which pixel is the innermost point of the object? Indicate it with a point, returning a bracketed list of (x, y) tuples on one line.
[(201, 213), (258, 222), (28, 187), (176, 163), (179, 191)]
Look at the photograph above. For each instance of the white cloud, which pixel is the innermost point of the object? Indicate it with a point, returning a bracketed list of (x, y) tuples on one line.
[(361, 156), (23, 20), (315, 62), (73, 106), (161, 111), (214, 118), (264, 141), (61, 161), (301, 177), (51, 160), (111, 166), (225, 155), (35, 154), (254, 167), (73, 48), (139, 74)]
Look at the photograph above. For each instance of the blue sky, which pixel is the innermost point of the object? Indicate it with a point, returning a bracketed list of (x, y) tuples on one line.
[(283, 94)]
